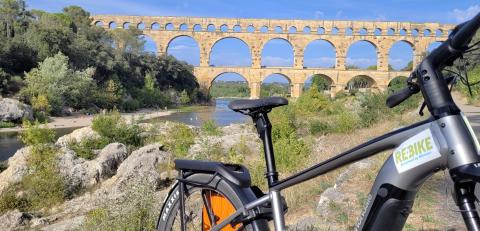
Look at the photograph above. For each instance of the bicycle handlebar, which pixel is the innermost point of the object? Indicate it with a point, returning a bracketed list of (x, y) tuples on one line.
[(428, 73)]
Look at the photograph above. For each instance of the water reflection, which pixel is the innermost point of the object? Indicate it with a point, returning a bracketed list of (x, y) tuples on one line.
[(220, 114)]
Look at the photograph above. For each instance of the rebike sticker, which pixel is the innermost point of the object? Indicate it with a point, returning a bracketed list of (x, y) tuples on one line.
[(415, 151)]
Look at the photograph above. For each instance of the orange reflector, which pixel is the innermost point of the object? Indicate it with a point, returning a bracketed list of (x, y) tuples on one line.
[(221, 209)]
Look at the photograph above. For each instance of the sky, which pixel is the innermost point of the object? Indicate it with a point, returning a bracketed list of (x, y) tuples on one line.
[(233, 52)]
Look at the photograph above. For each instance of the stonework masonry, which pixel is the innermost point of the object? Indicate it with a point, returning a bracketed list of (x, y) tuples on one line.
[(255, 33)]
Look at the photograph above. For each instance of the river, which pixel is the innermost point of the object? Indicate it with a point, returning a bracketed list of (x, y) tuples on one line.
[(220, 114)]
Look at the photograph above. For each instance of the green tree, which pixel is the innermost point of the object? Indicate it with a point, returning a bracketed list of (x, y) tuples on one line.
[(61, 85), (322, 82), (184, 98)]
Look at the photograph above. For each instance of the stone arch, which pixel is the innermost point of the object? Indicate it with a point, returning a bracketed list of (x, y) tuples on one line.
[(320, 30), (235, 57), (278, 29), (183, 27), (415, 32), (224, 28), (241, 90), (141, 26), (323, 81), (363, 31), (377, 32), (438, 32), (307, 30), (150, 46), (356, 62), (360, 83), (197, 27), (391, 31), (187, 50), (292, 30), (349, 31), (397, 54), (322, 45), (211, 27), (155, 26), (264, 29), (402, 32), (237, 28), (169, 26), (250, 28), (397, 83), (264, 60), (112, 25), (126, 25), (98, 23), (427, 32), (334, 31), (276, 84)]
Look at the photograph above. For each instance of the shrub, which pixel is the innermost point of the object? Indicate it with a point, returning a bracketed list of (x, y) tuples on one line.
[(373, 108), (317, 127), (345, 121), (137, 213), (210, 128), (34, 134), (86, 147), (130, 105), (115, 129), (10, 201), (7, 124), (312, 100), (178, 139)]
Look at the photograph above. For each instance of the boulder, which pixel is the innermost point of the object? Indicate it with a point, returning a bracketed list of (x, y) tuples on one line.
[(17, 168), (80, 173), (77, 136), (14, 220), (144, 166), (12, 110)]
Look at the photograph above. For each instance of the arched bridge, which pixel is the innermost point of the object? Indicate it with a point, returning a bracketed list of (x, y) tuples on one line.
[(255, 33)]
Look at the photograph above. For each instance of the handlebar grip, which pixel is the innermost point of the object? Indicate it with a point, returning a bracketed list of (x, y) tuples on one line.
[(398, 97), (465, 33)]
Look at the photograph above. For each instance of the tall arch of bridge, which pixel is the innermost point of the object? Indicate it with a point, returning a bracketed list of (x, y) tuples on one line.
[(299, 33)]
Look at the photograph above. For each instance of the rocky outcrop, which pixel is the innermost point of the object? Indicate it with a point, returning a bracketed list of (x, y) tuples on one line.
[(77, 136), (80, 173), (17, 168), (144, 166), (12, 110), (14, 219)]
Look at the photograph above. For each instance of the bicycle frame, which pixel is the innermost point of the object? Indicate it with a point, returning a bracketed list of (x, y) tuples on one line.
[(422, 149)]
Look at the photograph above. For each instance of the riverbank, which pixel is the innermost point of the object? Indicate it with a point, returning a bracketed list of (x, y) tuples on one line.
[(77, 121)]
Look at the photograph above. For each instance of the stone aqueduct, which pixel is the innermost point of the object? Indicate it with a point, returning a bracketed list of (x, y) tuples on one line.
[(255, 33)]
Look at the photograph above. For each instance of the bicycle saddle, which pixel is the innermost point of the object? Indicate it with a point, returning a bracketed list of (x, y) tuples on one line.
[(251, 105)]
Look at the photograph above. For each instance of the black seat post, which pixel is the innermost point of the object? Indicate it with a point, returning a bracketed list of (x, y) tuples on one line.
[(264, 129)]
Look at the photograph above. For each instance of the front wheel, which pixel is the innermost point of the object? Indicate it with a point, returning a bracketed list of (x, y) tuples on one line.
[(216, 200)]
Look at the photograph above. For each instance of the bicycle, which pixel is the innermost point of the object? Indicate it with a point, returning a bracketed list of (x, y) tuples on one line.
[(222, 197)]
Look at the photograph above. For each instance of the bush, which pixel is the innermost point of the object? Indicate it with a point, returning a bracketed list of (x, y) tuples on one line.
[(210, 128), (34, 134), (345, 121), (137, 213), (373, 108), (115, 129), (4, 124), (85, 149), (130, 105), (9, 200), (318, 127), (312, 100), (178, 139)]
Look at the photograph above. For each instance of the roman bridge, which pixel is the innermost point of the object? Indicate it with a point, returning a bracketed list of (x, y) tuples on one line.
[(255, 33)]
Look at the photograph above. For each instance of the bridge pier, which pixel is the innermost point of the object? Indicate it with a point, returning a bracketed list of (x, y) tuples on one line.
[(296, 90), (255, 88)]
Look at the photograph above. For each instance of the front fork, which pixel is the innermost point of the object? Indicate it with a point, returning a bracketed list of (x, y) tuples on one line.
[(465, 178)]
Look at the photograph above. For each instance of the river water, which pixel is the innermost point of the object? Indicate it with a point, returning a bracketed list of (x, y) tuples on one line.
[(220, 114)]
